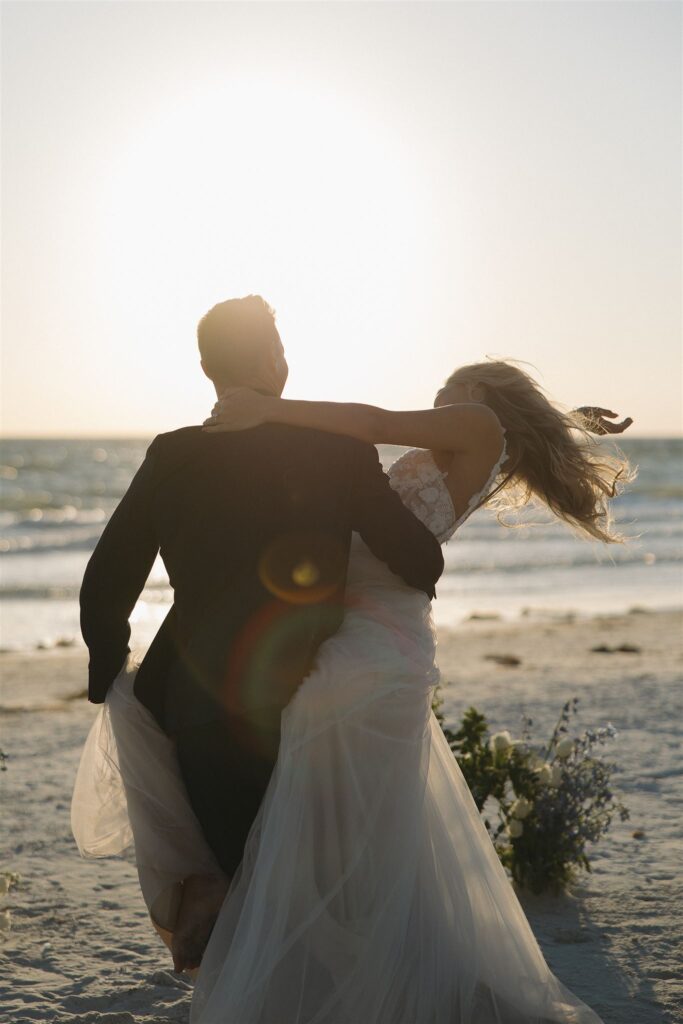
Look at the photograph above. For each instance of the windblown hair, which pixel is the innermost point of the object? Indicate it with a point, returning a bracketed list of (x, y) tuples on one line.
[(233, 335), (551, 456)]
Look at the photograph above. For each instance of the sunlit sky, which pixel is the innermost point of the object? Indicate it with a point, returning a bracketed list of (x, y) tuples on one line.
[(412, 186)]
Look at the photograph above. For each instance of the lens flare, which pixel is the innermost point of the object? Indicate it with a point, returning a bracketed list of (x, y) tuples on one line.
[(306, 574), (303, 568)]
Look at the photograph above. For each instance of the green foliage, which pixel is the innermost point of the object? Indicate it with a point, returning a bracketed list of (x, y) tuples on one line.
[(547, 803)]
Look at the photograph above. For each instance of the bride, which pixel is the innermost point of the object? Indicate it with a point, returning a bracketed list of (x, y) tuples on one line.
[(369, 890)]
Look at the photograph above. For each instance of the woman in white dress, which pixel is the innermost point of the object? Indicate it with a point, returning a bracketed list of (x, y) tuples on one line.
[(369, 891)]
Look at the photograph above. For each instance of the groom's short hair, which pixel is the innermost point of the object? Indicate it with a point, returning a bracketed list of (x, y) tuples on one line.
[(233, 335)]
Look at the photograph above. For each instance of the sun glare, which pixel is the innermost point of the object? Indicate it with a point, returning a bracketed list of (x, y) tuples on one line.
[(251, 186), (411, 186)]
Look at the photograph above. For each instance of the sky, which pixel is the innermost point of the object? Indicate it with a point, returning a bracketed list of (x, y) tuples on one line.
[(412, 186)]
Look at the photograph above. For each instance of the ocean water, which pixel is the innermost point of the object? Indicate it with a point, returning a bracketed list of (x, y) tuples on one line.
[(56, 497)]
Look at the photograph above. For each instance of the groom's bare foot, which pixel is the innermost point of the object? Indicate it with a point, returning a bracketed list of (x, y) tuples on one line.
[(203, 897)]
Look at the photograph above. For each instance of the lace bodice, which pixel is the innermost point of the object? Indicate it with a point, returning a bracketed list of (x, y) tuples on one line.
[(421, 486)]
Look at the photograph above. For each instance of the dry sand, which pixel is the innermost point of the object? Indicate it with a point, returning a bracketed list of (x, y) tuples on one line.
[(80, 947)]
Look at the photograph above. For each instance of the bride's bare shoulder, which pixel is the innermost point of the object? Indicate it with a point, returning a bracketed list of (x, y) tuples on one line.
[(471, 471)]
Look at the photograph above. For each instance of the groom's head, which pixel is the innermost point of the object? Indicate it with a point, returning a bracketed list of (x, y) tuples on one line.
[(240, 346)]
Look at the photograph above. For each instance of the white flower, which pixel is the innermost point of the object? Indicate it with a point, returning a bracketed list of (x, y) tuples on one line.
[(535, 762), (545, 773), (500, 741), (429, 494), (556, 774), (515, 828), (5, 920), (521, 808), (564, 748)]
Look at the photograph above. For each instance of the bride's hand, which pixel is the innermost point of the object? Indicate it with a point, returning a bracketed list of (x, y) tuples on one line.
[(237, 409), (596, 423)]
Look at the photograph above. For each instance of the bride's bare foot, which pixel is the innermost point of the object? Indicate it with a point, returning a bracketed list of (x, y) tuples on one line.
[(202, 899)]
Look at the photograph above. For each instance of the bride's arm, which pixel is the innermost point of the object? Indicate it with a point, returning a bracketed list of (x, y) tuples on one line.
[(448, 428)]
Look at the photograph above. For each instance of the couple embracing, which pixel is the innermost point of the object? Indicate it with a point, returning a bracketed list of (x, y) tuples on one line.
[(305, 841)]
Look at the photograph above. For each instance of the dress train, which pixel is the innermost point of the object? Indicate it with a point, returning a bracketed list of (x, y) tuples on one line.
[(369, 891)]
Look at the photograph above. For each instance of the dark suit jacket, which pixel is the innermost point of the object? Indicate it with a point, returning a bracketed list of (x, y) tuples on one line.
[(254, 530)]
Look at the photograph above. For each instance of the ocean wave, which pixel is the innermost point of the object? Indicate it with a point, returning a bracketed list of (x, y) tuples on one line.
[(501, 563), (44, 542), (99, 499), (57, 529), (506, 558), (155, 592), (58, 494)]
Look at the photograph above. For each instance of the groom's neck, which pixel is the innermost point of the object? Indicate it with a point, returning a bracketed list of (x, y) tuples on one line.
[(253, 384)]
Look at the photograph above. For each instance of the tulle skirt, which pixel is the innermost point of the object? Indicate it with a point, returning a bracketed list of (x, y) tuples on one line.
[(369, 891), (129, 790)]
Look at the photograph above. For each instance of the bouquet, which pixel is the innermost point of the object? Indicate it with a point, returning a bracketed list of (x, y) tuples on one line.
[(542, 805)]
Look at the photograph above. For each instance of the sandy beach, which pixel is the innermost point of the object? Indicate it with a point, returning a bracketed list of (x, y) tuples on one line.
[(80, 948)]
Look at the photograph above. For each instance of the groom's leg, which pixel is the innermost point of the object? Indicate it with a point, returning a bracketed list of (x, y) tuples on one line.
[(226, 777)]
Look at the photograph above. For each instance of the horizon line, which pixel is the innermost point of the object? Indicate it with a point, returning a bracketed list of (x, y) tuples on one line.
[(148, 436)]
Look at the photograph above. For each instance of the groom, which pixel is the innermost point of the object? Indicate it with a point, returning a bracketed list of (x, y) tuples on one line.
[(254, 529)]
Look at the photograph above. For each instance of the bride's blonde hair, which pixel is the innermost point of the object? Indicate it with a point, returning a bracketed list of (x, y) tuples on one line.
[(551, 457)]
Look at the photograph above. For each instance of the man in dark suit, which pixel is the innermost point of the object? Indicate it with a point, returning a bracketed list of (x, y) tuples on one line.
[(254, 529)]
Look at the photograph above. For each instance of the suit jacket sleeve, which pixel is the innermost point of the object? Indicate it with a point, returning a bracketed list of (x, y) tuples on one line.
[(389, 529), (115, 576)]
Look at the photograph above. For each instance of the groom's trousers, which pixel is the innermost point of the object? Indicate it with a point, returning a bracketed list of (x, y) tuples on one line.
[(226, 766)]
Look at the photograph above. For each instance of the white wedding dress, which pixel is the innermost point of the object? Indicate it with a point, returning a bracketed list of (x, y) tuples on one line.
[(369, 891)]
